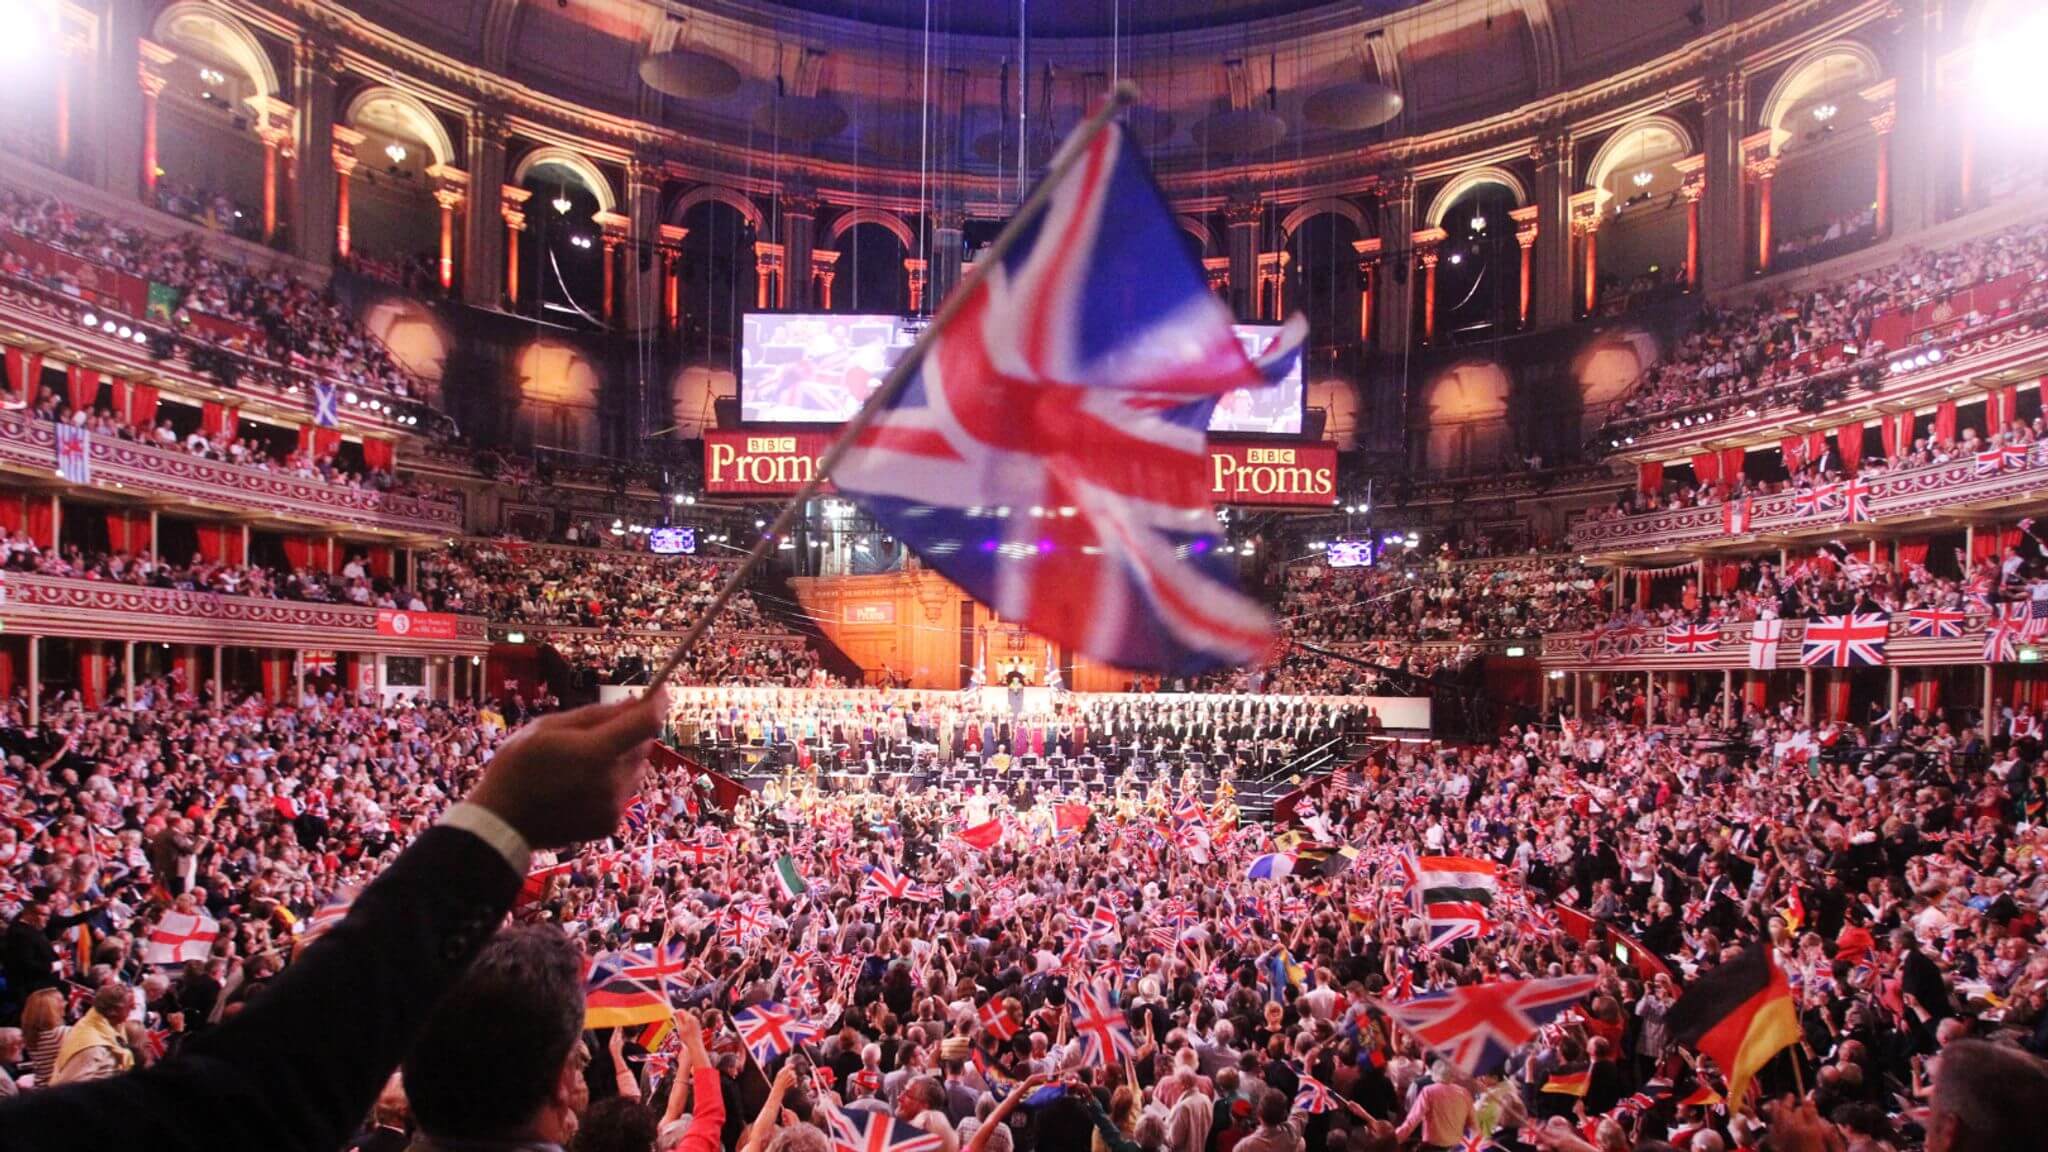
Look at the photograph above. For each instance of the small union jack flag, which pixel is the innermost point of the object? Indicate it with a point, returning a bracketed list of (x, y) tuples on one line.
[(1936, 623), (1105, 1033), (887, 885), (662, 965), (1817, 499), (1692, 639), (770, 1031), (1856, 501), (861, 1130), (1314, 1097)]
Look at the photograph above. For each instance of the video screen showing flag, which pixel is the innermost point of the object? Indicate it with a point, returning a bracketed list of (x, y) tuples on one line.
[(672, 541), (1349, 554), (818, 368)]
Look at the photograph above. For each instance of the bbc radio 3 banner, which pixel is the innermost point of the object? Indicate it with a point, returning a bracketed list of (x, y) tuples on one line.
[(743, 463)]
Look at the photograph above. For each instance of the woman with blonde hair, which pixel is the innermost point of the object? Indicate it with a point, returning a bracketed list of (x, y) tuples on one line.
[(42, 1026)]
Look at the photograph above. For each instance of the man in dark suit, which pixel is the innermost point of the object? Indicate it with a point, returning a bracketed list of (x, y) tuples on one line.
[(300, 1066)]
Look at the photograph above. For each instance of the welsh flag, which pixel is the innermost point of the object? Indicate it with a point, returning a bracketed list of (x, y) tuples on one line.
[(788, 878)]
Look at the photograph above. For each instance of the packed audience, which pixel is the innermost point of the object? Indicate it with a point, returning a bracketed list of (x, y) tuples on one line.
[(1745, 350), (289, 321), (1897, 876), (1423, 597)]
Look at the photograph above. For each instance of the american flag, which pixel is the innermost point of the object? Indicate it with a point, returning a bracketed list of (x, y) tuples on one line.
[(1936, 623), (771, 1031), (1477, 1026), (1852, 641), (1077, 378), (74, 454), (861, 1130), (1692, 638)]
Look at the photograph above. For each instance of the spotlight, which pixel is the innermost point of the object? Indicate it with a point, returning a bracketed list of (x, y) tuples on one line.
[(2007, 72), (561, 205), (90, 320), (1457, 257), (351, 398), (396, 151), (125, 332)]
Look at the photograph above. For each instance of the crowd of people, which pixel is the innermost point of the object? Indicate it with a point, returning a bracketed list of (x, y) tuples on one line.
[(288, 321), (1734, 352), (1123, 963), (1424, 597)]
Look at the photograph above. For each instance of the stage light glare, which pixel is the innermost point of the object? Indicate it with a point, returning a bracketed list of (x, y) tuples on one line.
[(27, 30), (2007, 74), (89, 320)]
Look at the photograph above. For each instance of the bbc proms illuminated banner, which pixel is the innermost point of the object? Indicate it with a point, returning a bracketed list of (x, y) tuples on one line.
[(1272, 473)]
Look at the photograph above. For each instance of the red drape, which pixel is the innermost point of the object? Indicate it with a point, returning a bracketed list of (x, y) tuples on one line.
[(1706, 467), (380, 562), (1925, 694), (1725, 577), (189, 671), (1816, 443), (81, 386), (94, 665), (13, 511), (1834, 698), (298, 551), (1642, 589), (213, 541), (220, 420), (1732, 460), (2029, 686), (142, 400), (128, 531), (24, 372), (1756, 692), (379, 455), (1945, 421), (2001, 407), (1912, 552), (278, 676), (332, 555), (1793, 450), (6, 671), (1650, 476), (1989, 543), (1896, 430), (317, 442), (1849, 442), (42, 521)]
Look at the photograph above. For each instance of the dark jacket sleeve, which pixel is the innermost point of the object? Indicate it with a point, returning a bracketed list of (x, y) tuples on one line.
[(297, 1070)]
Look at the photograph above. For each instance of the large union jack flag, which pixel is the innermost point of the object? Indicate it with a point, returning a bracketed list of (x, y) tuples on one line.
[(1852, 641), (861, 1130), (1692, 638), (1105, 1033), (1936, 623), (1049, 454), (1477, 1026)]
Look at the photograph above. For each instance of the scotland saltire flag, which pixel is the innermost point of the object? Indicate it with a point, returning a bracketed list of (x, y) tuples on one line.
[(1049, 456), (326, 407)]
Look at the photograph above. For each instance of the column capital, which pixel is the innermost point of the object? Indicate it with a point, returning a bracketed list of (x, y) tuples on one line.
[(1217, 270), (448, 179), (767, 256), (512, 206), (149, 69), (911, 264), (949, 220), (1761, 168), (1243, 213), (488, 122), (1692, 172), (1526, 225), (1587, 208), (1884, 118), (1552, 147), (614, 226), (672, 236), (803, 203), (1722, 88), (1424, 241), (343, 149), (1392, 185), (1368, 251)]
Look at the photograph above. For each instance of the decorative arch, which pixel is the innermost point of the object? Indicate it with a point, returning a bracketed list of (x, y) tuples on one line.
[(1809, 72), (847, 221), (1195, 226), (585, 172), (1322, 205), (191, 22), (1469, 180), (1612, 154), (716, 193), (415, 115)]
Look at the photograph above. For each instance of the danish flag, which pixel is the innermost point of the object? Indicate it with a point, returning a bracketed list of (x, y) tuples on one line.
[(1693, 639), (1856, 640), (1077, 378), (996, 1021), (1477, 1026), (1936, 623)]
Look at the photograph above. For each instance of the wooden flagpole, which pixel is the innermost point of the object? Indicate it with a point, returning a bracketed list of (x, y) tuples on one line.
[(1077, 145)]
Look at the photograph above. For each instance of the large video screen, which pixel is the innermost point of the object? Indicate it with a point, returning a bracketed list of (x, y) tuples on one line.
[(818, 368)]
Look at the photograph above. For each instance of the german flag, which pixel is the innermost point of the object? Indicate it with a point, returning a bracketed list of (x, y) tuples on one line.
[(1575, 1081), (615, 1001), (1741, 1014)]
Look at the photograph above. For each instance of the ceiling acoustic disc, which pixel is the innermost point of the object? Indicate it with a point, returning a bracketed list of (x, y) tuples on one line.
[(804, 119), (1148, 126), (1241, 133), (690, 75), (1352, 106)]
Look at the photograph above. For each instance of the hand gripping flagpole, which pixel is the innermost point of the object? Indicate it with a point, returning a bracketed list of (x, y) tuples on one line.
[(1076, 146)]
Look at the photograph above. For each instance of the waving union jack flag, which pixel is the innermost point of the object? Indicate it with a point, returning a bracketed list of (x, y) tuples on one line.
[(1049, 455), (1856, 501), (861, 1130), (1851, 641), (886, 885), (770, 1030), (1692, 638), (1105, 1033), (1477, 1026), (1314, 1097), (661, 965)]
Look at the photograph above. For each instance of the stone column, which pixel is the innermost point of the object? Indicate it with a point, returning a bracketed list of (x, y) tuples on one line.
[(825, 269), (1527, 228), (114, 144), (1882, 122), (1243, 214), (512, 210), (450, 188), (1553, 260), (1916, 144), (487, 269), (643, 272), (768, 285), (1368, 269), (1692, 170), (1396, 320), (1761, 170), (914, 273), (316, 208), (948, 250), (343, 157), (1426, 243), (672, 237), (152, 60), (610, 240), (1272, 295), (1587, 229), (1723, 233), (799, 225)]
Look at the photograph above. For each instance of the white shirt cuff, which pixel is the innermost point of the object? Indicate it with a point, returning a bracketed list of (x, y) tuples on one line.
[(491, 828)]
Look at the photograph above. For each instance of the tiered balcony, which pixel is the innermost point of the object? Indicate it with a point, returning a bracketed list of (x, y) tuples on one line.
[(30, 445), (1646, 649), (100, 610)]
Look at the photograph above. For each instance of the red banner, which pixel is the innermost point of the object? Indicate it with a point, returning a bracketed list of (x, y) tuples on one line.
[(215, 330), (95, 283), (738, 462), (1275, 473), (1300, 475), (415, 625)]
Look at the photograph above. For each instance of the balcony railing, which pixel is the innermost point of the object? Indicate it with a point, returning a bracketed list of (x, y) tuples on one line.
[(105, 610), (30, 444), (1647, 648), (1955, 486)]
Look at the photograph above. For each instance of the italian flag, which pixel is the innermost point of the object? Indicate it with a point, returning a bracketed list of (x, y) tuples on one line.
[(788, 878)]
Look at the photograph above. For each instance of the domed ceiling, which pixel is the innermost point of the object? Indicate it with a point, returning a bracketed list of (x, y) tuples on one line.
[(1079, 18)]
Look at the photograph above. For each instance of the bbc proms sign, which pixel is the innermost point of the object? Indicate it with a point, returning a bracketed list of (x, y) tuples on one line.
[(1279, 474)]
